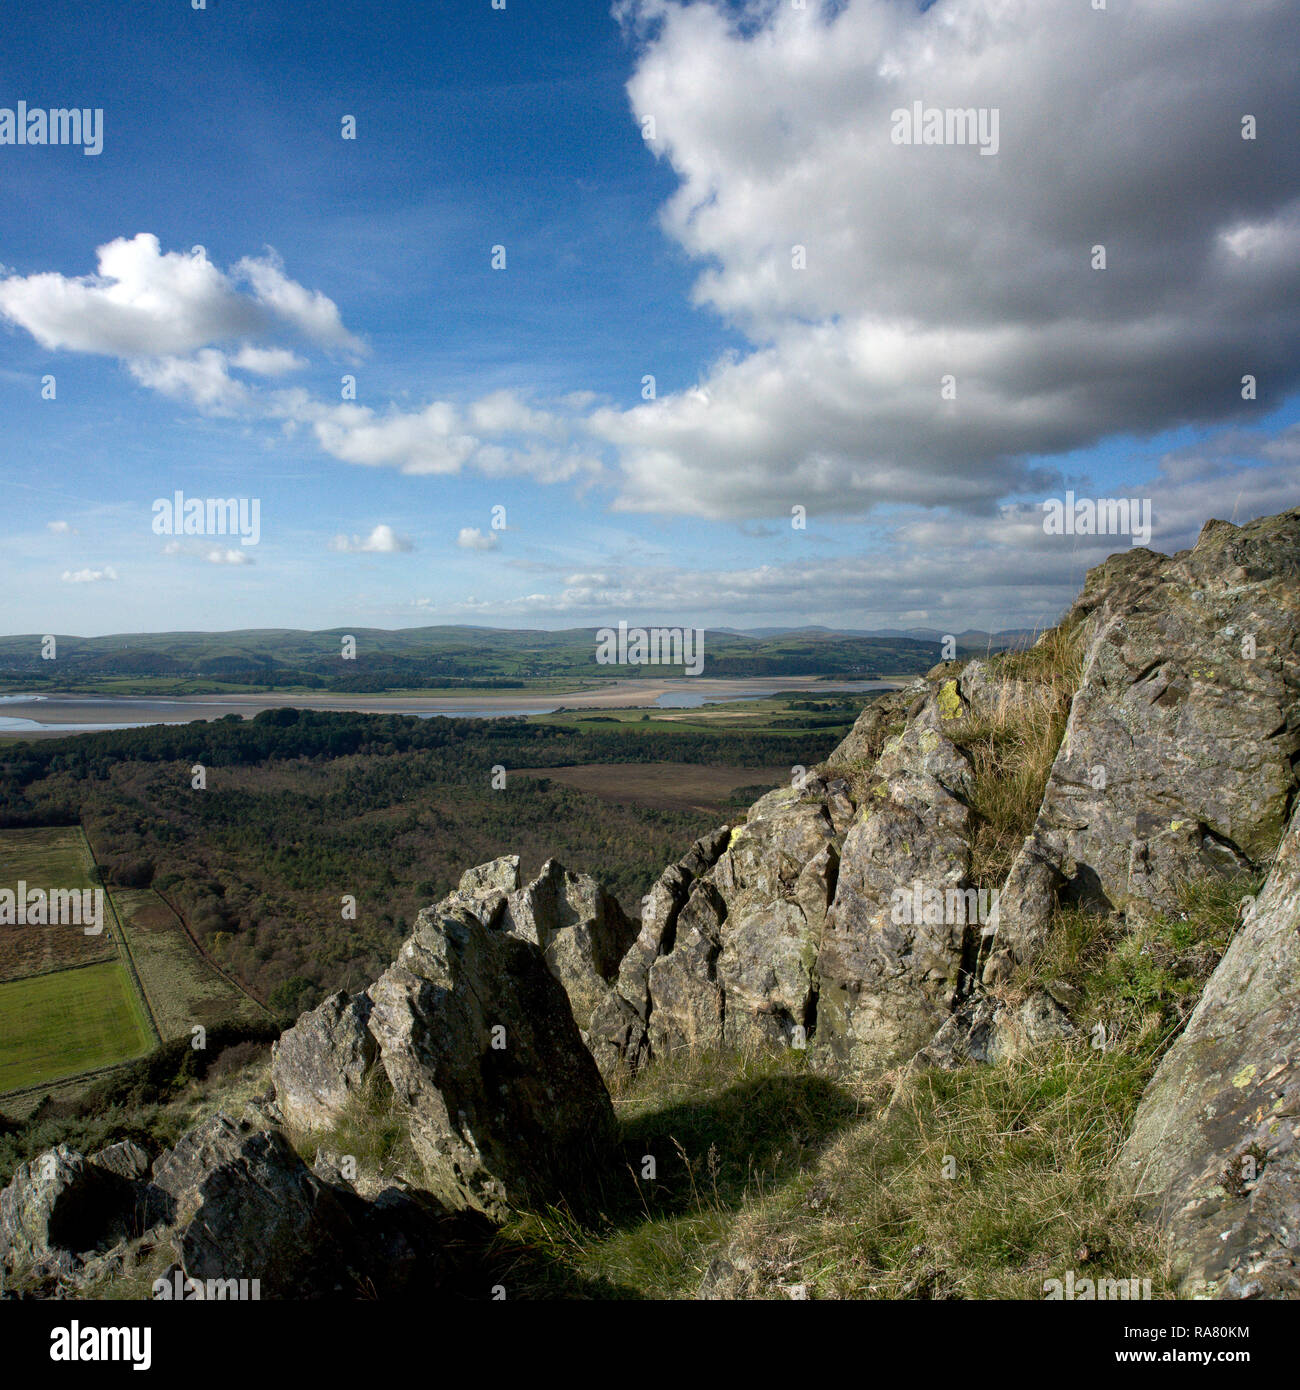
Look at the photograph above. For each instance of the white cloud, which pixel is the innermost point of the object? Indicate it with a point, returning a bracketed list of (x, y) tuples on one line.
[(383, 540), (88, 576), (471, 538), (203, 380), (144, 302), (314, 315), (923, 261), (229, 557), (268, 361), (60, 528)]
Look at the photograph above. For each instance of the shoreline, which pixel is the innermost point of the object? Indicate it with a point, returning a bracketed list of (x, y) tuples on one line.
[(57, 714)]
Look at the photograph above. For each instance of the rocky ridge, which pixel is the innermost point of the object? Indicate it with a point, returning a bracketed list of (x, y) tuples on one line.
[(492, 1035)]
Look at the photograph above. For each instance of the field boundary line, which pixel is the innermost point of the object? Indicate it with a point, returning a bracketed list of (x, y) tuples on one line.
[(207, 959), (123, 945)]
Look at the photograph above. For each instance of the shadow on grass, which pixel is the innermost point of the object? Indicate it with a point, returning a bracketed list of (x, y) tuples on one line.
[(680, 1173), (718, 1150)]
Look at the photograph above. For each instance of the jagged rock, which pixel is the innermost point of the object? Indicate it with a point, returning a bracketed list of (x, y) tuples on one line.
[(1180, 754), (617, 1029), (60, 1204), (245, 1206), (1215, 1147), (687, 1000), (861, 746), (124, 1159), (1025, 905), (984, 1029), (580, 929), (886, 985), (493, 1125), (839, 805), (501, 875), (321, 1062)]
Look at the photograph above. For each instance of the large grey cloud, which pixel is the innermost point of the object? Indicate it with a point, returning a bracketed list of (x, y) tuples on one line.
[(1120, 127)]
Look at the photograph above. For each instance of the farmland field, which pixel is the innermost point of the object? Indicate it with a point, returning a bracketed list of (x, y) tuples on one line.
[(661, 786), (48, 858), (182, 988), (67, 1022)]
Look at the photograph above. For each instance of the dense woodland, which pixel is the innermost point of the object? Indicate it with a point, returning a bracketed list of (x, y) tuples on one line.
[(304, 807)]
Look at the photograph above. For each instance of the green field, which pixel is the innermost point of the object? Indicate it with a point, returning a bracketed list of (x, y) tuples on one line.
[(182, 987), (67, 1022)]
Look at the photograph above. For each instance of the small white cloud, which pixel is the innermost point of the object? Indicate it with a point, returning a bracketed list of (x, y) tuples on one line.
[(229, 557), (268, 361), (471, 538), (89, 576), (60, 528), (383, 540)]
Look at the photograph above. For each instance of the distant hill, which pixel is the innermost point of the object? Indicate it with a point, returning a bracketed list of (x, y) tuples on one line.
[(443, 657)]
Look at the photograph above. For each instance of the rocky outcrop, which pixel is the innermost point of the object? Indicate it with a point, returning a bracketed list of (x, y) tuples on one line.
[(1180, 754), (61, 1204), (504, 1103), (1215, 1148), (618, 1029), (580, 929), (244, 1206), (890, 976), (473, 1032), (319, 1063)]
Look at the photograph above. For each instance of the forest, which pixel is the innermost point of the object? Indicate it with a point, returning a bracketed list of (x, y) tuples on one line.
[(301, 809)]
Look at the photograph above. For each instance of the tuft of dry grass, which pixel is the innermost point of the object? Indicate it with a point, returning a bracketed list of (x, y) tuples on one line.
[(980, 1183), (1012, 744)]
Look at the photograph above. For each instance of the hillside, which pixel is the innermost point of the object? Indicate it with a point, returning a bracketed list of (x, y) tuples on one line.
[(997, 1001), (427, 658)]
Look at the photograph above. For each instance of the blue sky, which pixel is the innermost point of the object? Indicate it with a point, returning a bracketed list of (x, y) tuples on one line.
[(522, 387)]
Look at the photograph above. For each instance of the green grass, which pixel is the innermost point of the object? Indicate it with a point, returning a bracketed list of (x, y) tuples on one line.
[(47, 856), (71, 1021)]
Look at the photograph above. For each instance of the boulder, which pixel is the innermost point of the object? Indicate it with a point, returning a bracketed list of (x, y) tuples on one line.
[(1215, 1148), (321, 1062), (60, 1204), (504, 1102), (243, 1205), (985, 1029)]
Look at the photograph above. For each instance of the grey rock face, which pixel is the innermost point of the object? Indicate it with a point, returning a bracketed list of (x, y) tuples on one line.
[(580, 929), (861, 746), (1180, 754), (888, 985), (984, 1029), (319, 1063), (245, 1206), (1215, 1147), (504, 1101), (59, 1204), (617, 1030), (125, 1159)]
